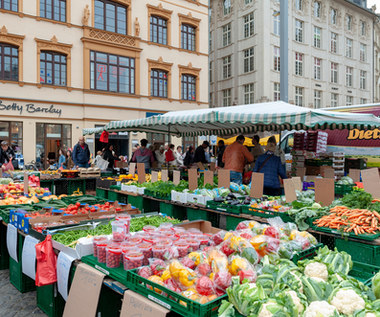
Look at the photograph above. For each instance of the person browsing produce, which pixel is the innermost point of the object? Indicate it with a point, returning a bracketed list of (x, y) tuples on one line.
[(169, 155), (257, 150), (81, 154), (221, 149), (271, 166), (200, 156), (189, 157), (62, 159), (235, 157), (143, 155)]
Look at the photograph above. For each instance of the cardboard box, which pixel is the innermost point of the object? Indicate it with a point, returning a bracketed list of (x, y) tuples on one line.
[(202, 225), (121, 164)]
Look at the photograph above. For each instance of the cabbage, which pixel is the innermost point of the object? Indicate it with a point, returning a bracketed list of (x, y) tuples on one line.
[(376, 285)]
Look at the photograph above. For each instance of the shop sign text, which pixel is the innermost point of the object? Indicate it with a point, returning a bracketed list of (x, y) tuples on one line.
[(357, 134), (29, 108)]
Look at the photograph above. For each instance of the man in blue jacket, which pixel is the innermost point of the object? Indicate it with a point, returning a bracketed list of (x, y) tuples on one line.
[(271, 166), (81, 154)]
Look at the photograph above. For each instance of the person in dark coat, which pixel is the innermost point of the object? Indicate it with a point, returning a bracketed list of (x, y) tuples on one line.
[(221, 148), (81, 154), (189, 157), (108, 156), (200, 156)]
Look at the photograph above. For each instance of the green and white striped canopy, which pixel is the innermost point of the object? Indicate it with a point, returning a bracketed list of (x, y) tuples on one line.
[(271, 116), (88, 131)]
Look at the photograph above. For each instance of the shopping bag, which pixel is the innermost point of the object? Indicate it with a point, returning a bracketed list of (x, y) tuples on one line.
[(46, 272), (104, 137), (8, 166), (102, 163)]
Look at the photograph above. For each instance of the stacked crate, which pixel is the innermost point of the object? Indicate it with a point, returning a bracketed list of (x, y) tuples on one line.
[(338, 164), (316, 142)]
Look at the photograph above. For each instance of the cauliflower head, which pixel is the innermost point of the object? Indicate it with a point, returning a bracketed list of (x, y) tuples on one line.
[(347, 301), (269, 308), (318, 270), (320, 308), (296, 301), (370, 315)]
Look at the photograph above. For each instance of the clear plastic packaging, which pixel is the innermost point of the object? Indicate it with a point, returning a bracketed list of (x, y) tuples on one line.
[(193, 245), (126, 219), (101, 251), (146, 249), (113, 256), (182, 247), (159, 252), (133, 260), (95, 241), (119, 231)]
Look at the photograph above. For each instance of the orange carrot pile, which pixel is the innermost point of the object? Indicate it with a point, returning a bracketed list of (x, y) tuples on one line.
[(358, 221)]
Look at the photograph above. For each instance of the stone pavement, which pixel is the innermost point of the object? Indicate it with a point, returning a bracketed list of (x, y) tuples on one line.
[(15, 304)]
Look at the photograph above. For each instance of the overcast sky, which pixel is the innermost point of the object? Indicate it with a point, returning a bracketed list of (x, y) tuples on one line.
[(370, 3)]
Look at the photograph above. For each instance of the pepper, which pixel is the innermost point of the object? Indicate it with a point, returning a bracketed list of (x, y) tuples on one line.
[(187, 277)]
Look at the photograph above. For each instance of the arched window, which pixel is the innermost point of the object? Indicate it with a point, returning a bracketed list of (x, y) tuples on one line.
[(8, 62)]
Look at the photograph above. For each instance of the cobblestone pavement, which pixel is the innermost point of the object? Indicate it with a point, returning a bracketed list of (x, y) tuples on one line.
[(15, 304)]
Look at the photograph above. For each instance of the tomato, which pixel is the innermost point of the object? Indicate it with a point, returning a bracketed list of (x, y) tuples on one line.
[(205, 286), (77, 204), (271, 232), (92, 209)]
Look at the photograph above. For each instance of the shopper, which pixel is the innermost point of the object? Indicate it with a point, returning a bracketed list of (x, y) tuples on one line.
[(220, 152), (81, 154), (179, 156), (271, 166), (200, 156), (189, 157), (7, 153), (257, 150), (109, 156), (143, 155), (160, 156), (98, 156), (69, 160), (169, 155), (235, 157), (62, 159)]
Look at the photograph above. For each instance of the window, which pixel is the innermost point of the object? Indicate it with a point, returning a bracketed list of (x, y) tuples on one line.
[(53, 9), (159, 83), (317, 9), (52, 68), (334, 73), (210, 72), (226, 67), (112, 73), (226, 7), (363, 52), (276, 23), (334, 100), (110, 16), (8, 62), (299, 96), (363, 101), (317, 99), (248, 94), (12, 133), (158, 30), (188, 87), (363, 30), (349, 22), (10, 5), (299, 31), (188, 37), (349, 71), (249, 63), (349, 100), (276, 64), (299, 64), (276, 92), (227, 34), (348, 48), (247, 1), (226, 97), (317, 37), (298, 5), (363, 76), (317, 68), (333, 15), (249, 25), (210, 42), (333, 42)]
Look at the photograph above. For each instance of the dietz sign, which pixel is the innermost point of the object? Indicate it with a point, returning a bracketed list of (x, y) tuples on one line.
[(30, 108), (356, 134)]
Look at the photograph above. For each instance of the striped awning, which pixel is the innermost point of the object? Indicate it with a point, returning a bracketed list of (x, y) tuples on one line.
[(89, 131), (271, 116)]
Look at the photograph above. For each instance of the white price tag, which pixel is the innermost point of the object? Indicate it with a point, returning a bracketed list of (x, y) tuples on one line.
[(29, 257), (63, 272), (12, 242)]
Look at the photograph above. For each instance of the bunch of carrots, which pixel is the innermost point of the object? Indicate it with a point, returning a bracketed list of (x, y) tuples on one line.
[(358, 221)]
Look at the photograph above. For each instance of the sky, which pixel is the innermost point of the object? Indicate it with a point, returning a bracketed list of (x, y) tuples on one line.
[(370, 3)]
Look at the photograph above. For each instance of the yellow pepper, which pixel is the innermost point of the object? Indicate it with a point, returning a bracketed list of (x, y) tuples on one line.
[(165, 275), (293, 234), (228, 235), (196, 257), (174, 268), (156, 279), (237, 265), (187, 278)]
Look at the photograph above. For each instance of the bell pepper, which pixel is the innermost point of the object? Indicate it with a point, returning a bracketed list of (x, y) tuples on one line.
[(187, 277), (165, 275), (158, 280), (175, 268), (238, 264)]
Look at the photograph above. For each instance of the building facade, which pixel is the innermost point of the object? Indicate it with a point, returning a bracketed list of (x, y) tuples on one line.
[(67, 65), (330, 52), (377, 59)]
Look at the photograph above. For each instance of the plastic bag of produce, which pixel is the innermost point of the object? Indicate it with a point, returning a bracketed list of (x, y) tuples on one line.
[(46, 272)]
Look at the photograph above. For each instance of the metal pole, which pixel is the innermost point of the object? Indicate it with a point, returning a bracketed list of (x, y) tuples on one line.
[(284, 46)]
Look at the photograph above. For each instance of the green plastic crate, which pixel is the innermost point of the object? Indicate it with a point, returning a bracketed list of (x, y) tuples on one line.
[(343, 189), (232, 222), (47, 183), (305, 254), (172, 300), (364, 272), (359, 251), (224, 207), (4, 255), (174, 211), (102, 193), (113, 196), (137, 201), (196, 214), (50, 301), (75, 185), (263, 213)]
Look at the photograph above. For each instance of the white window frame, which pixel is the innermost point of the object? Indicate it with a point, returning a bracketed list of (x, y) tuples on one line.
[(349, 75), (349, 100), (363, 80), (348, 22), (363, 52), (298, 70), (248, 25), (317, 37), (226, 7), (249, 60), (363, 101), (298, 96), (249, 93), (363, 29), (298, 5), (334, 42), (276, 92), (333, 16), (299, 31), (227, 101), (210, 71), (334, 72), (247, 2), (317, 7), (226, 29), (334, 100), (276, 59), (227, 71), (276, 23), (317, 99), (349, 45), (317, 68)]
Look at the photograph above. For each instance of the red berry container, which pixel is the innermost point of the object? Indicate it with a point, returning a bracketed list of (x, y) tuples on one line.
[(182, 247), (146, 249), (95, 241), (113, 256), (135, 239), (193, 244), (149, 228), (126, 219), (165, 242), (119, 231), (177, 229), (133, 260), (101, 251), (159, 251), (126, 249)]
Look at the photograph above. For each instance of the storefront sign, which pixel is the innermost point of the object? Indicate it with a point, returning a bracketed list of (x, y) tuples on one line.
[(357, 134), (30, 108)]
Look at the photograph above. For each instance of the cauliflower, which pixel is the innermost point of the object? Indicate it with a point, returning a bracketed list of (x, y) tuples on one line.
[(370, 315), (320, 308), (347, 301), (316, 269), (296, 301), (300, 282), (269, 308)]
